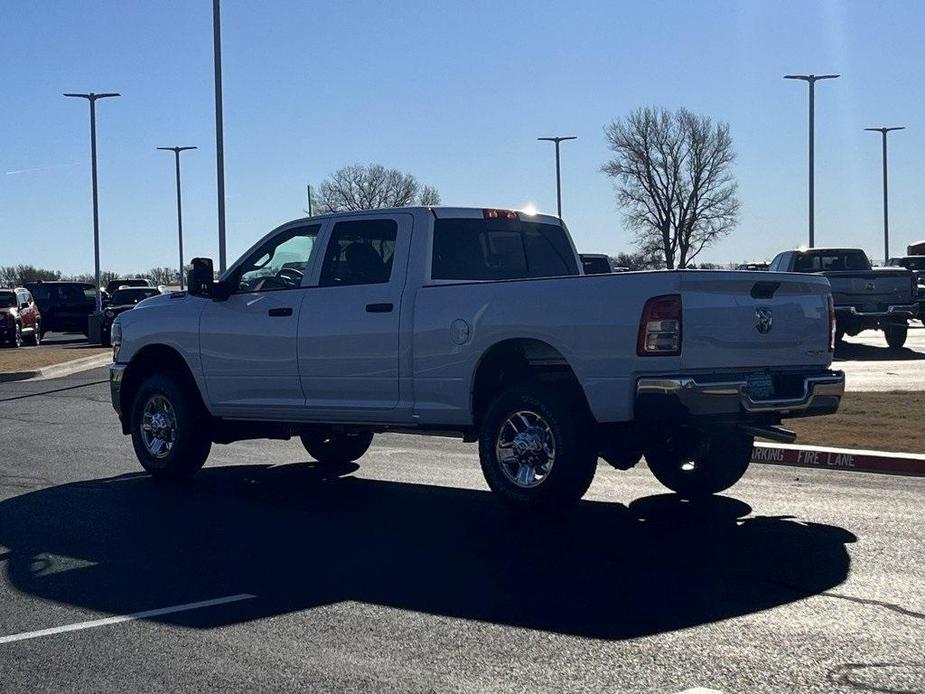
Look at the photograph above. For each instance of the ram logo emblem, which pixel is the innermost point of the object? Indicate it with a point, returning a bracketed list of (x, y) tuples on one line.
[(763, 320)]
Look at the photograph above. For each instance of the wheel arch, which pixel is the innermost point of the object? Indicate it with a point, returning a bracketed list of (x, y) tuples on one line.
[(154, 358), (514, 360)]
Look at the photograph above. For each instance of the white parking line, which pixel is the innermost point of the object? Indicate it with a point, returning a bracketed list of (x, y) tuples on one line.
[(92, 624)]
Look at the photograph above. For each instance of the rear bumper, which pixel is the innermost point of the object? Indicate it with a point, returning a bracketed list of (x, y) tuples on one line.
[(725, 396), (903, 311)]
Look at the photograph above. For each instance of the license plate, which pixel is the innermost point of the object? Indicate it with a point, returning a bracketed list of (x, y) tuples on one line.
[(760, 386)]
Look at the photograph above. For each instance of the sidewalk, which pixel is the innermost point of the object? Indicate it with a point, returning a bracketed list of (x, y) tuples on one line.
[(57, 370)]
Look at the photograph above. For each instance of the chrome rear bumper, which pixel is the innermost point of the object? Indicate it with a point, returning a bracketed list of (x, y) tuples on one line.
[(668, 397), (900, 311)]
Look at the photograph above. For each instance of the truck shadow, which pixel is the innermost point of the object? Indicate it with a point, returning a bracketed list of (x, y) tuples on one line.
[(853, 351), (298, 538)]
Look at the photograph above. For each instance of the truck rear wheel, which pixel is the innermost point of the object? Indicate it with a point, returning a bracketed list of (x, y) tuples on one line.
[(329, 448), (715, 462), (169, 432), (896, 335), (536, 447)]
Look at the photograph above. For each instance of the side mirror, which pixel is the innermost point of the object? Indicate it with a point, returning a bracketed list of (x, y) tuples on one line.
[(200, 278), (24, 304)]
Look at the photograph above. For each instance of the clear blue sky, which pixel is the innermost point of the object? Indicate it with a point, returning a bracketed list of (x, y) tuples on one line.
[(455, 92)]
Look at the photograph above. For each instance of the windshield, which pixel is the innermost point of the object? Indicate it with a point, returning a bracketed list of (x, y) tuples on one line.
[(132, 296), (7, 300)]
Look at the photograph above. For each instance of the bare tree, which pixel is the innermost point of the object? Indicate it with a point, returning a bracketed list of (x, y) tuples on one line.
[(371, 186), (162, 275), (672, 176), (17, 275)]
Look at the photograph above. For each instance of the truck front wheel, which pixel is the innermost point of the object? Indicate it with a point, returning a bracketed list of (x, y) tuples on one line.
[(330, 449), (169, 432), (896, 335), (536, 446), (701, 465)]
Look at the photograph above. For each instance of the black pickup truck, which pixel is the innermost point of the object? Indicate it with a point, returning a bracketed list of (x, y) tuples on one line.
[(866, 298)]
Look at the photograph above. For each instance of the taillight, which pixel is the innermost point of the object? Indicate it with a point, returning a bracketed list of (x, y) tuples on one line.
[(831, 303), (660, 327), (499, 214)]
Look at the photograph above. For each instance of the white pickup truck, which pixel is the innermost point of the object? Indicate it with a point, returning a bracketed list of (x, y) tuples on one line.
[(476, 323)]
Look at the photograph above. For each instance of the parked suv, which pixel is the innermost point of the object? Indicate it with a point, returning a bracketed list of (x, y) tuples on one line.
[(122, 300), (65, 306), (915, 264), (113, 285), (20, 318)]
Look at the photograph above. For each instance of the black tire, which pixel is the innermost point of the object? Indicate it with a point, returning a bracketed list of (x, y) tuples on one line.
[(719, 462), (16, 338), (568, 427), (35, 338), (896, 335), (191, 441), (333, 448), (621, 458)]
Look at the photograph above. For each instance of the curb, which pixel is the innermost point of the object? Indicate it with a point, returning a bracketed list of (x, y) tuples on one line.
[(850, 460), (58, 370)]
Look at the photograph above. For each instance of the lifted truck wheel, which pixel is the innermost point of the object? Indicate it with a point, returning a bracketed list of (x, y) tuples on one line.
[(896, 335), (536, 447), (169, 431), (695, 464), (330, 448)]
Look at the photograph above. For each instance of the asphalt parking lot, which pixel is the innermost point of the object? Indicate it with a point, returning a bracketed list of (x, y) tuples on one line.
[(405, 575), (870, 365)]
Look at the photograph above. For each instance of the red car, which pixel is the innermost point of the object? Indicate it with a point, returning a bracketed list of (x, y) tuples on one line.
[(20, 319)]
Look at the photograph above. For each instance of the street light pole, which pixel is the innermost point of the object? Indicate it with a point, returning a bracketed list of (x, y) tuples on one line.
[(811, 81), (557, 140), (886, 207), (219, 130), (176, 151), (92, 98)]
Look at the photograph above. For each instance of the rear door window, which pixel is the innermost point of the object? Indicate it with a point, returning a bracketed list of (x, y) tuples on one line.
[(359, 252), (499, 249)]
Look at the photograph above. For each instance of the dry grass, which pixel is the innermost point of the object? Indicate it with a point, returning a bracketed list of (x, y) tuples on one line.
[(873, 421), (33, 358)]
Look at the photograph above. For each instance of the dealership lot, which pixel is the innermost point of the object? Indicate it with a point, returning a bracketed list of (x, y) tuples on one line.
[(870, 366), (405, 575)]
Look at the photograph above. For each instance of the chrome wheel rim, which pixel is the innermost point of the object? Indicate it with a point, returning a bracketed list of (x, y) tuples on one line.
[(525, 448), (158, 426)]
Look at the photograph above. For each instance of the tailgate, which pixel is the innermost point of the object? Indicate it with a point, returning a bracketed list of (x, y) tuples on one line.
[(871, 291), (754, 320)]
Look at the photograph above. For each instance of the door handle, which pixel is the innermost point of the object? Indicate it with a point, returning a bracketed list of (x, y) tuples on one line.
[(379, 308), (278, 312)]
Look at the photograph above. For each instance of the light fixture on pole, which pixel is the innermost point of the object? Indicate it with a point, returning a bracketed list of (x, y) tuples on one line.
[(176, 151), (557, 140), (886, 206), (811, 81), (93, 98)]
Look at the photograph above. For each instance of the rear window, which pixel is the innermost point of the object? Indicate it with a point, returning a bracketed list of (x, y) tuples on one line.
[(499, 249), (7, 300), (831, 261)]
